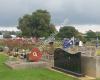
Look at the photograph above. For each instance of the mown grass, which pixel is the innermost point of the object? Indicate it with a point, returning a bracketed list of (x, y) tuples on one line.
[(98, 52), (29, 74)]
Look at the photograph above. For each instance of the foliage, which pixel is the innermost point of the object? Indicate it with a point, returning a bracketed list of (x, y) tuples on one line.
[(67, 32), (7, 36), (22, 44), (9, 32), (37, 24), (19, 34), (98, 35), (0, 33), (81, 37), (90, 35)]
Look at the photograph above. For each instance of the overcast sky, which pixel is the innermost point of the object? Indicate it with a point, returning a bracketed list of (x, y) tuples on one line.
[(62, 11), (81, 13)]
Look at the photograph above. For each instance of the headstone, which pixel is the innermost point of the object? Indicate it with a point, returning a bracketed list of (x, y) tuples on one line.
[(70, 63), (35, 55)]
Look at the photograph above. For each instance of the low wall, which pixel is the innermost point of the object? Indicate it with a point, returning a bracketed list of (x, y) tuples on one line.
[(98, 66), (91, 66), (24, 65)]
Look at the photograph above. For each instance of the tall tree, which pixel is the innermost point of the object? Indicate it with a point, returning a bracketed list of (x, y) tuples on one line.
[(37, 24), (25, 25), (67, 32), (90, 35)]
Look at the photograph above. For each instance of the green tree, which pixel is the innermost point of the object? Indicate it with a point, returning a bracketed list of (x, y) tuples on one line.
[(0, 33), (37, 24), (67, 32), (90, 35), (25, 25)]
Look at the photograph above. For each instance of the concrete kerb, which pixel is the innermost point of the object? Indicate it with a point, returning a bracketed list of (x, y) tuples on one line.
[(80, 78), (24, 65)]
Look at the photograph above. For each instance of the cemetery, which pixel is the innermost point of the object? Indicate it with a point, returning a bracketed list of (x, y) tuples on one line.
[(77, 60), (40, 52), (49, 40)]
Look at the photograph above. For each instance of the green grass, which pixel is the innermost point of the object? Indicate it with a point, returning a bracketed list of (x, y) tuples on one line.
[(98, 52), (29, 74)]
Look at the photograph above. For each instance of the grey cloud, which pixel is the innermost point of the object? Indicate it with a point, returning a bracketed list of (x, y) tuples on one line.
[(75, 11)]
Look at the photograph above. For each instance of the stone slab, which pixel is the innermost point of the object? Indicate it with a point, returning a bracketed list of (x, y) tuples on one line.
[(24, 65)]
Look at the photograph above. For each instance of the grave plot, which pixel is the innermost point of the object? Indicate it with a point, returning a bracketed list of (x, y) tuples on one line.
[(31, 57), (67, 62), (32, 60)]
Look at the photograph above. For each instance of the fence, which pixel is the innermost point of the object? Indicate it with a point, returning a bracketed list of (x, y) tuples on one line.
[(48, 58)]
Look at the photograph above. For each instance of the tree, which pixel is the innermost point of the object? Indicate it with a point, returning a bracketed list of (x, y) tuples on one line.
[(90, 35), (98, 35), (7, 36), (37, 24), (0, 33), (25, 25), (67, 32)]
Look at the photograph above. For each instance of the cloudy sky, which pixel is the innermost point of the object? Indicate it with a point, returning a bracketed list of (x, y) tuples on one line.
[(63, 12)]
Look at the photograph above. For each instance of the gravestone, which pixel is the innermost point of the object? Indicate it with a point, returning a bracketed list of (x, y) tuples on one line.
[(35, 55), (67, 62)]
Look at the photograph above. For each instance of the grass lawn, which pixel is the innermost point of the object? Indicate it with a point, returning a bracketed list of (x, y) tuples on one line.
[(98, 52), (29, 74)]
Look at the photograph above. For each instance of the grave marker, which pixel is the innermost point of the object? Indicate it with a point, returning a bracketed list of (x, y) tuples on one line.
[(35, 55), (70, 63)]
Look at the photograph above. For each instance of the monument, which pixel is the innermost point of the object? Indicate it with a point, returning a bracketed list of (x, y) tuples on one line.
[(35, 55), (67, 62)]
